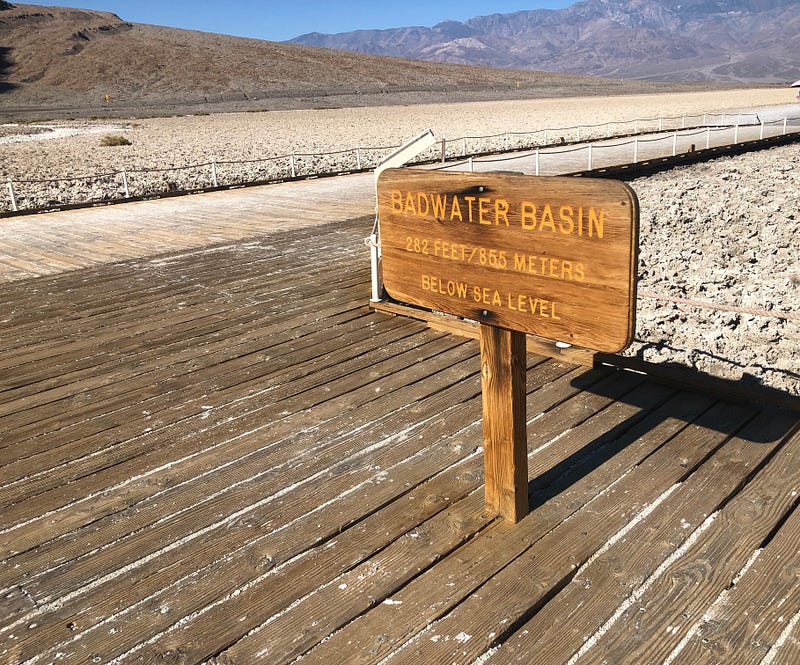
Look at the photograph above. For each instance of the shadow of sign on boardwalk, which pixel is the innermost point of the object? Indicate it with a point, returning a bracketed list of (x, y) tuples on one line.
[(653, 407)]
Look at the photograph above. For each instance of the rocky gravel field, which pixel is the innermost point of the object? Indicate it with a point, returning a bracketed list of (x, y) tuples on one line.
[(723, 233)]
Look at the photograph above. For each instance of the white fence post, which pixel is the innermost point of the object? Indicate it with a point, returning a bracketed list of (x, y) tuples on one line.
[(708, 137), (444, 149), (537, 161), (214, 174), (590, 157), (675, 143), (125, 184), (292, 167), (736, 132), (11, 194), (635, 149), (471, 165), (358, 158)]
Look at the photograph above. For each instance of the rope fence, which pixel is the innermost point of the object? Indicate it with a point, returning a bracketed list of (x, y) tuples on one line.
[(31, 194), (702, 304)]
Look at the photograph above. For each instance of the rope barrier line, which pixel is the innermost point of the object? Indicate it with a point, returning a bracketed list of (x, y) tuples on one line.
[(655, 295)]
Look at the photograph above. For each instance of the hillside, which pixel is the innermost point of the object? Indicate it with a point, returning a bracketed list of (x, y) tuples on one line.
[(733, 41), (57, 60)]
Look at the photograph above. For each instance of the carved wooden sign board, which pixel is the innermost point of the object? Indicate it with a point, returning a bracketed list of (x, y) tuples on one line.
[(554, 257), (550, 256)]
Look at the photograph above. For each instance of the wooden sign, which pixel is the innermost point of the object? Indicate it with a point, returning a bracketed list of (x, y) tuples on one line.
[(549, 256)]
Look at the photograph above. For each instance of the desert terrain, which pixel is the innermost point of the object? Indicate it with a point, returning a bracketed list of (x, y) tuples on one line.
[(71, 149), (721, 233)]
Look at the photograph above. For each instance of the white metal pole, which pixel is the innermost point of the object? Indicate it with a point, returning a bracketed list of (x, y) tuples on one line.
[(11, 194), (444, 149), (374, 256), (292, 167), (358, 158), (635, 150), (537, 161), (214, 174), (708, 137), (590, 157), (761, 133), (675, 143), (736, 133), (125, 184), (400, 156)]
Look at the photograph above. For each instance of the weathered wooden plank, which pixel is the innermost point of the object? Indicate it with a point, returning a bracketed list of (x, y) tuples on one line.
[(747, 622), (356, 507), (565, 624), (274, 633), (376, 634), (528, 581), (200, 364), (326, 396), (688, 586)]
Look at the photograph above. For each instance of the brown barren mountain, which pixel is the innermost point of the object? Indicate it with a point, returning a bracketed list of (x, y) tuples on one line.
[(59, 61)]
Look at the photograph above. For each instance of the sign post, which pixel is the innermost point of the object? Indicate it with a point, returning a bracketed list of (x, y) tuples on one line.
[(553, 257)]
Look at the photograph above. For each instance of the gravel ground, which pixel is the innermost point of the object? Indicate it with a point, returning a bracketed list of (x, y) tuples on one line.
[(723, 232)]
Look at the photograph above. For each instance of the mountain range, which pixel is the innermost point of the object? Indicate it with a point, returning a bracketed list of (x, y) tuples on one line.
[(61, 62), (735, 41)]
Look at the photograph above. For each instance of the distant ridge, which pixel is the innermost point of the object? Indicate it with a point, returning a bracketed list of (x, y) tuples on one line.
[(77, 62), (734, 41)]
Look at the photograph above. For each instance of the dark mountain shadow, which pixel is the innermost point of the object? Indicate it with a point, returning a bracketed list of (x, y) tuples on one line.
[(5, 68)]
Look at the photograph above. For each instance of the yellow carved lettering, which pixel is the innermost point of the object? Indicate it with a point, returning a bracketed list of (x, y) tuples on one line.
[(455, 210), (528, 215)]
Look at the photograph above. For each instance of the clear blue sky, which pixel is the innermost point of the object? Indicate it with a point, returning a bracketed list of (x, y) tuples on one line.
[(279, 20)]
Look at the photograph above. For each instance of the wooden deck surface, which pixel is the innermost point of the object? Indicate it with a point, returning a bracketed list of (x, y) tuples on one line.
[(221, 455)]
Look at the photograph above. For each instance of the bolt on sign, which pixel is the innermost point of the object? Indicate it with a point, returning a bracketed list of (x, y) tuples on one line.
[(550, 256)]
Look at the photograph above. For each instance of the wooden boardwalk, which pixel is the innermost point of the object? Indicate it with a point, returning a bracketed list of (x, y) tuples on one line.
[(221, 455), (51, 243)]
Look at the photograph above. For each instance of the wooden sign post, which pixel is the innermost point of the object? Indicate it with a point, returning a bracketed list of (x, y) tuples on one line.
[(548, 256)]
